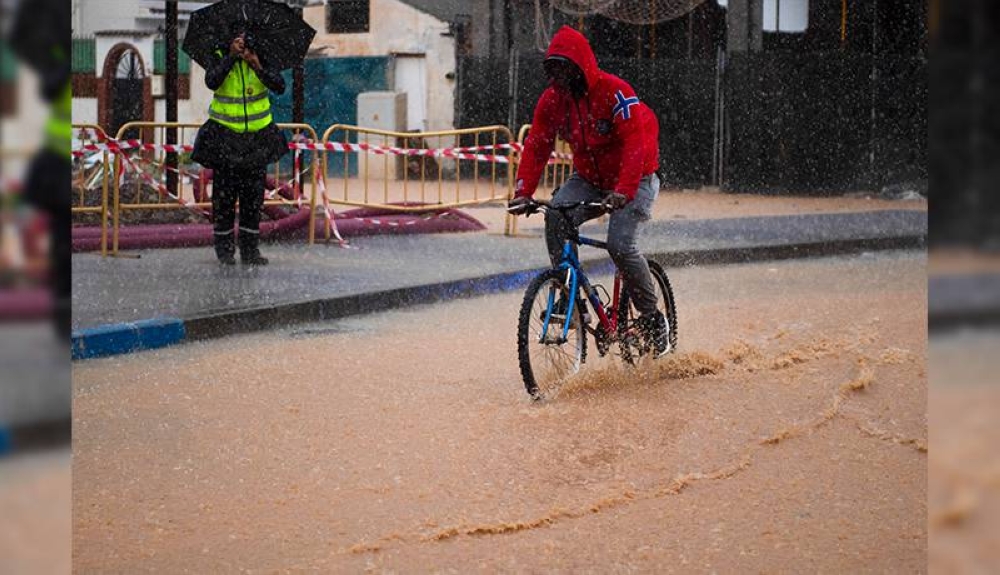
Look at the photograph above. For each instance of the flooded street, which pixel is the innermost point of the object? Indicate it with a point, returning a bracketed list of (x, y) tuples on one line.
[(788, 433)]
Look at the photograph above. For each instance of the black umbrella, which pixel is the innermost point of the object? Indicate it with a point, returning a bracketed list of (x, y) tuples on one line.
[(278, 35)]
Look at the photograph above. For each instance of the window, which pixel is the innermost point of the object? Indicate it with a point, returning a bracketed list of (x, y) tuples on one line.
[(786, 15), (347, 16)]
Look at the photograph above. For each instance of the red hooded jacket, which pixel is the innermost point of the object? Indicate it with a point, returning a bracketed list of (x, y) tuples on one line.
[(614, 137)]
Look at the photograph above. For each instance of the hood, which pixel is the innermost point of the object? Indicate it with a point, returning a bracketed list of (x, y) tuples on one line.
[(573, 45)]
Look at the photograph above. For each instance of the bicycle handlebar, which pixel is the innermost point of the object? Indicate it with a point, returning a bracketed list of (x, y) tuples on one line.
[(534, 204)]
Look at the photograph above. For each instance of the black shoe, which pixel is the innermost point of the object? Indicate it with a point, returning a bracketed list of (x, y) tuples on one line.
[(254, 259), (249, 253), (227, 260), (657, 333)]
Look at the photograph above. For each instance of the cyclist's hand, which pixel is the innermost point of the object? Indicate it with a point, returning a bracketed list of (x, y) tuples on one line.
[(521, 205), (614, 201)]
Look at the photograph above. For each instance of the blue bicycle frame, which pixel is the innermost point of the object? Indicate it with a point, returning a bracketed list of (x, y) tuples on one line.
[(576, 278)]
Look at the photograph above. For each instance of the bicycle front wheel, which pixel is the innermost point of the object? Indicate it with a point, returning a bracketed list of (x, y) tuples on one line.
[(547, 358)]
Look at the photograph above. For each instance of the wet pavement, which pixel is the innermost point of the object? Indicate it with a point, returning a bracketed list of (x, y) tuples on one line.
[(311, 282)]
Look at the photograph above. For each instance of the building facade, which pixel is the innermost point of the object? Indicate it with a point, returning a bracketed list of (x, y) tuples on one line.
[(119, 64), (418, 49)]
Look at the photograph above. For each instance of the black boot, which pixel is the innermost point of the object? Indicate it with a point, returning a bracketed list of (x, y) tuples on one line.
[(225, 249), (249, 254)]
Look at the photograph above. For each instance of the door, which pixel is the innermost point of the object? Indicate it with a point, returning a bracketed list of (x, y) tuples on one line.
[(411, 77), (126, 92)]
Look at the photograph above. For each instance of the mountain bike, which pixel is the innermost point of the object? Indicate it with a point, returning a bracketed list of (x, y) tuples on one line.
[(555, 321)]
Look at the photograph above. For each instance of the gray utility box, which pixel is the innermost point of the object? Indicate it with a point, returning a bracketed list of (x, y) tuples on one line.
[(381, 111)]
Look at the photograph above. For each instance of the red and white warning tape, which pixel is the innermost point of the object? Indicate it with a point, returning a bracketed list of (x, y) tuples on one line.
[(460, 153), (115, 146)]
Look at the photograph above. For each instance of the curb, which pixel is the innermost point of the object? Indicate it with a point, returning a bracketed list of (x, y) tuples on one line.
[(118, 338), (115, 339)]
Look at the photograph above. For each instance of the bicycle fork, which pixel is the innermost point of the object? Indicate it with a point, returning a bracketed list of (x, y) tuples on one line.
[(571, 284)]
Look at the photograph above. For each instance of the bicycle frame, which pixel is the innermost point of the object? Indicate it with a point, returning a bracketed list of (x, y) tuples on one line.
[(576, 278)]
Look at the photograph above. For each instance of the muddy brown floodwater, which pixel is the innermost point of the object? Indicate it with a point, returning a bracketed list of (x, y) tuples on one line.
[(787, 434)]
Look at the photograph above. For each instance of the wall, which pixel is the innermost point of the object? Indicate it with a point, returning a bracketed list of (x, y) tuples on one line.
[(92, 16), (189, 110), (396, 28), (193, 109), (142, 42), (332, 86), (84, 110)]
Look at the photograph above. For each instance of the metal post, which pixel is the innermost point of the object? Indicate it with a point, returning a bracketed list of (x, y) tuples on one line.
[(298, 89), (874, 90), (170, 82), (509, 18), (744, 23)]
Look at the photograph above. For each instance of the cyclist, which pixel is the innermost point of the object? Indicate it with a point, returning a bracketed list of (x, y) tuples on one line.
[(614, 138)]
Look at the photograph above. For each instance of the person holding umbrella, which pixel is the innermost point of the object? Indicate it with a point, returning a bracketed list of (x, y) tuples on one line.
[(240, 138), (40, 36)]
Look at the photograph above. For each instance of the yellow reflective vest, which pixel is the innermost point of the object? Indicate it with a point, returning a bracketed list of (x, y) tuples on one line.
[(59, 127), (241, 103)]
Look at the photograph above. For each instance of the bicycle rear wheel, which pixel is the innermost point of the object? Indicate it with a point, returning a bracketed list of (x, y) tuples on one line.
[(633, 340), (665, 300), (545, 358)]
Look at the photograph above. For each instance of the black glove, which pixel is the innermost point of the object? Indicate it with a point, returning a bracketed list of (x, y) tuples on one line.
[(614, 201), (521, 205)]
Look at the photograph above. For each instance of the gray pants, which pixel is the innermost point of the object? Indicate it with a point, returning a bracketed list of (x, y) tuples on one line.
[(622, 230)]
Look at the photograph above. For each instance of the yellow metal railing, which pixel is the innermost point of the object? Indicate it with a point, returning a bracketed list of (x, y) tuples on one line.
[(84, 134), (415, 171), (394, 171)]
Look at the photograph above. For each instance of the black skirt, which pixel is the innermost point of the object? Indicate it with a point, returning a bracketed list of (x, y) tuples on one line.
[(218, 147)]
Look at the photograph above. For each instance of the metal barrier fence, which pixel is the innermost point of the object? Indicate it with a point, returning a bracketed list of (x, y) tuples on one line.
[(423, 167), (91, 135), (146, 160), (393, 171), (557, 171)]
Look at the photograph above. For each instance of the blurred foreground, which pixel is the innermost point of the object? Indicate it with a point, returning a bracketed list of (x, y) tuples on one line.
[(964, 464)]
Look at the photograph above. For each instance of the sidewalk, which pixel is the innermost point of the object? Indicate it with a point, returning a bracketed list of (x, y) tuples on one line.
[(165, 296), (963, 289)]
